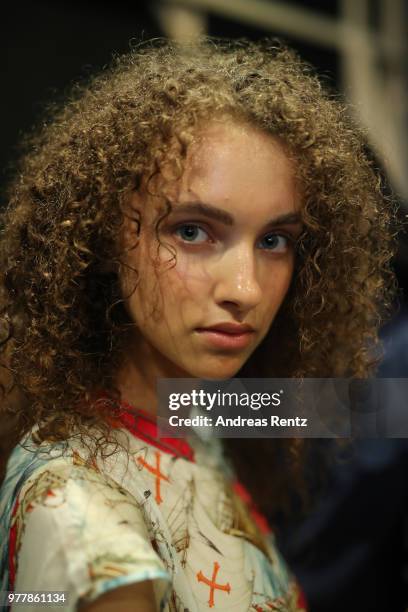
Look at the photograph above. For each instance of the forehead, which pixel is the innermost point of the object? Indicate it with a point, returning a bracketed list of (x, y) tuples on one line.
[(228, 162), (235, 166), (225, 135)]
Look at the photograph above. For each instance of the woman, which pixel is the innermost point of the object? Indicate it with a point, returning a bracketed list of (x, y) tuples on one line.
[(187, 187)]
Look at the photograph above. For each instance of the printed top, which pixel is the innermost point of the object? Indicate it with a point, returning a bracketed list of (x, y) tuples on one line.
[(154, 509)]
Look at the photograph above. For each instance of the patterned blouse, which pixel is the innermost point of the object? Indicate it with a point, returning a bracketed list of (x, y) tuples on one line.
[(156, 509)]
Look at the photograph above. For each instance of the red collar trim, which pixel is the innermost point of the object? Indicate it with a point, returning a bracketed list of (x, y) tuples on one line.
[(143, 425)]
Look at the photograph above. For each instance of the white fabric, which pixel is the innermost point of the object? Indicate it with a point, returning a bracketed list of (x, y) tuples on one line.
[(88, 530)]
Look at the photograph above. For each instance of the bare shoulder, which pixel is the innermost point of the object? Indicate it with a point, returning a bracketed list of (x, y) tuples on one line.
[(136, 597)]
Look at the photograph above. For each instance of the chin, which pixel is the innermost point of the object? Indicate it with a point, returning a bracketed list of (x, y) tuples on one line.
[(215, 373)]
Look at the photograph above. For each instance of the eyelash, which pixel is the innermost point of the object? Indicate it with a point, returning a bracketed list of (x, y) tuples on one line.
[(290, 239)]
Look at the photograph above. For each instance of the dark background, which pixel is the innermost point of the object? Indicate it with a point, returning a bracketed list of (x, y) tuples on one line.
[(47, 45)]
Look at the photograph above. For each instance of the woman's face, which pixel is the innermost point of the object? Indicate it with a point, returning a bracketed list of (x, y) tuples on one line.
[(233, 225)]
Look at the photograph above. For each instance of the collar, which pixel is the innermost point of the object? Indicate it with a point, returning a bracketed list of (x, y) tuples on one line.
[(143, 425)]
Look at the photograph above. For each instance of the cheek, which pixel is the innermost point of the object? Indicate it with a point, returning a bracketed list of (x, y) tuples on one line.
[(183, 292), (278, 285), (179, 287), (187, 275), (287, 276)]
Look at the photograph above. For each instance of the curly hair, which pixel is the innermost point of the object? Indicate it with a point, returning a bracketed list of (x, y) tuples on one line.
[(63, 320)]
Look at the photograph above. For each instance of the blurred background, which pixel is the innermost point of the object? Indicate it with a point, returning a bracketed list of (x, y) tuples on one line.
[(350, 553)]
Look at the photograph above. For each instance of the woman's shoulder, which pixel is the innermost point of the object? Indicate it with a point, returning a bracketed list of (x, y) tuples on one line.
[(79, 461), (56, 499), (31, 460)]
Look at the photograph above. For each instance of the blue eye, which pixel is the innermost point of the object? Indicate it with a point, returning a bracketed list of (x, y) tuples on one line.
[(278, 243), (190, 232)]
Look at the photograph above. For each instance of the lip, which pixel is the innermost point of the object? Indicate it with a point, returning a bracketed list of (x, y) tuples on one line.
[(229, 328), (226, 340)]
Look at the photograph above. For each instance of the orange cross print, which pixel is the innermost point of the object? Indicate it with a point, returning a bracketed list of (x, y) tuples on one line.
[(212, 584), (156, 471)]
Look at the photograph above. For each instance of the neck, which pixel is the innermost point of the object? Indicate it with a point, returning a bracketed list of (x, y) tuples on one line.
[(139, 372)]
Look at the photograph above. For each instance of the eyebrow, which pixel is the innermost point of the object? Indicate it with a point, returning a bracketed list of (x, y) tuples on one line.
[(212, 212)]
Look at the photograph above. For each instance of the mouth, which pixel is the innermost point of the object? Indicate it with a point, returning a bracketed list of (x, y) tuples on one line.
[(226, 340)]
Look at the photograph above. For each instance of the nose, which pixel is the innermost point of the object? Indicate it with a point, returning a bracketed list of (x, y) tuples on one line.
[(236, 279)]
